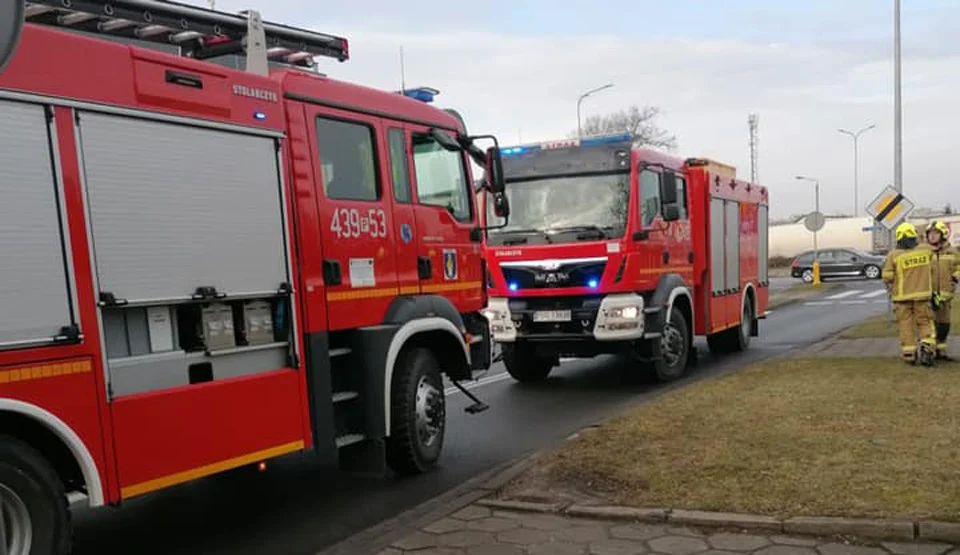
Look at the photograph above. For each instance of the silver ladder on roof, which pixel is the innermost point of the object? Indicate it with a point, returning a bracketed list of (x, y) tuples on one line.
[(200, 33)]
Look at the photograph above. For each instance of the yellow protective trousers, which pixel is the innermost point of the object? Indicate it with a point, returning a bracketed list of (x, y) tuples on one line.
[(915, 317)]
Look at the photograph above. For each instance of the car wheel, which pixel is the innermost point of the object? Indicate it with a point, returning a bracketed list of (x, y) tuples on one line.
[(807, 276), (871, 272)]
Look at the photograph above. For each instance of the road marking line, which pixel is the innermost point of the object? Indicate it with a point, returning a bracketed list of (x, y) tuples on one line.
[(853, 302), (817, 303), (845, 294), (880, 301), (872, 294)]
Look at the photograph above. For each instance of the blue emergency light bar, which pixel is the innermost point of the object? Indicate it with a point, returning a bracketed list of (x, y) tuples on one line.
[(569, 143), (423, 94)]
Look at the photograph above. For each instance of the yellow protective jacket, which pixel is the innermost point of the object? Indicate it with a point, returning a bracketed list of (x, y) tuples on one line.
[(946, 268), (909, 273)]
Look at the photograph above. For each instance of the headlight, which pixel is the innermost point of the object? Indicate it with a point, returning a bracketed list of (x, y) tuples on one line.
[(624, 313)]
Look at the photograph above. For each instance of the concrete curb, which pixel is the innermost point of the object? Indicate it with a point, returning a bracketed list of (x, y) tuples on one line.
[(866, 529)]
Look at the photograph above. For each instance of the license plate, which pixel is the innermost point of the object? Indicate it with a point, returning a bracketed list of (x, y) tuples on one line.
[(551, 316)]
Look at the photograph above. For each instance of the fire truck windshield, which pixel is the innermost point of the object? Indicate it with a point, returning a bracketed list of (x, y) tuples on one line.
[(564, 209)]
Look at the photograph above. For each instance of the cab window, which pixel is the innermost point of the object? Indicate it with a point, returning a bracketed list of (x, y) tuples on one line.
[(649, 196), (398, 165), (347, 160), (441, 178), (682, 196)]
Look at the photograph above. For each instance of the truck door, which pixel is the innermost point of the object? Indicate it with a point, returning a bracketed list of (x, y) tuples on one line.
[(654, 247), (356, 223), (679, 246), (448, 261), (404, 214)]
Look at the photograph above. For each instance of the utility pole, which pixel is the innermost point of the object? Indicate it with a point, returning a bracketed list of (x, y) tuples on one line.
[(580, 101), (753, 120), (856, 165), (403, 79), (897, 103)]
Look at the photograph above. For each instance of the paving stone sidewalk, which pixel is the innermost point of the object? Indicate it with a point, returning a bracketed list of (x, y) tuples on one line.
[(479, 530), (873, 347)]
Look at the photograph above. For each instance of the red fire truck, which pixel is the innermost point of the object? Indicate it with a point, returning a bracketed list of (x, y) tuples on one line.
[(207, 267), (615, 249)]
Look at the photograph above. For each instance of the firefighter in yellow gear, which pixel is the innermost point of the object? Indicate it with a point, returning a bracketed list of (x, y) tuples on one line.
[(908, 273), (946, 273)]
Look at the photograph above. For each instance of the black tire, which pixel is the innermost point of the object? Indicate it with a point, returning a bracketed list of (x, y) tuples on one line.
[(735, 339), (408, 451), (670, 368), (524, 365), (37, 490), (871, 269)]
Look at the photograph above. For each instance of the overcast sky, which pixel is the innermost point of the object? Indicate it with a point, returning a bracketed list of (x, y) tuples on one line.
[(806, 67)]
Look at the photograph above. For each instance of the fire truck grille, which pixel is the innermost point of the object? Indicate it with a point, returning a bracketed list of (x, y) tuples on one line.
[(576, 274)]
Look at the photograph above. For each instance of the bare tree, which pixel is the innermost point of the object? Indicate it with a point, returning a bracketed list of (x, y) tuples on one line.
[(637, 121)]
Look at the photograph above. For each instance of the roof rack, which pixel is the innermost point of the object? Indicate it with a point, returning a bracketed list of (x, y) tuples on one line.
[(199, 32)]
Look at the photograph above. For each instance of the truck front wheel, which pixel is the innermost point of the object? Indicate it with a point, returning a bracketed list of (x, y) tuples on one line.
[(524, 365), (33, 503), (417, 413), (674, 349)]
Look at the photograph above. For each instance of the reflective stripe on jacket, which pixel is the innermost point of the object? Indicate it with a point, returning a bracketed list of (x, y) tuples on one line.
[(946, 269), (909, 273)]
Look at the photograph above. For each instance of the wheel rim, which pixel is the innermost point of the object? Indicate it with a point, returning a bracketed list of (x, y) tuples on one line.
[(872, 272), (671, 345), (429, 412), (16, 529), (808, 276)]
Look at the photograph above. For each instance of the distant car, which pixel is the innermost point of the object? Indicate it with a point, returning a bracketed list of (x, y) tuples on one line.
[(836, 263)]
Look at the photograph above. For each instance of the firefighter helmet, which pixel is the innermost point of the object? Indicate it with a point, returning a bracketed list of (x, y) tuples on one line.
[(937, 225), (906, 230)]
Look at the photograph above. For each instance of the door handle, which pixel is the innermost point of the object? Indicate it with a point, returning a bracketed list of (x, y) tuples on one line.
[(331, 272), (423, 267), (666, 257)]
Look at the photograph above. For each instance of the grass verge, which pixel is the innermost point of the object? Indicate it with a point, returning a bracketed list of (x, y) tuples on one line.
[(880, 326), (799, 292), (791, 437)]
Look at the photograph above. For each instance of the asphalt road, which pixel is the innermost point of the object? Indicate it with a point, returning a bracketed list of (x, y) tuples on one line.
[(296, 508)]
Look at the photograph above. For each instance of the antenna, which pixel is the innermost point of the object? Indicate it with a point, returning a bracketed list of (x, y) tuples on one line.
[(403, 79), (753, 120)]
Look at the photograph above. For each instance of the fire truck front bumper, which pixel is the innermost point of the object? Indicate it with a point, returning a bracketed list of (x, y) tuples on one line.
[(615, 317)]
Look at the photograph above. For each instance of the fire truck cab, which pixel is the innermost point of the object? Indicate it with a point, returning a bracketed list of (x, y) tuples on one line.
[(206, 267), (614, 249)]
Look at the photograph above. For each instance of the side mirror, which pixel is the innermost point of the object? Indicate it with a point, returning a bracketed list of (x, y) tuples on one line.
[(495, 179), (501, 206), (11, 26), (445, 140), (671, 212), (668, 189)]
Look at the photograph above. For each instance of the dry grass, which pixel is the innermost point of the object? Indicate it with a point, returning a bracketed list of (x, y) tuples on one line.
[(799, 292), (880, 326), (833, 437)]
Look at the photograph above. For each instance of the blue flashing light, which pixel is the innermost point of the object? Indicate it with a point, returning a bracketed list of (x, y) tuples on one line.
[(423, 94), (259, 116), (608, 139), (514, 286), (593, 283)]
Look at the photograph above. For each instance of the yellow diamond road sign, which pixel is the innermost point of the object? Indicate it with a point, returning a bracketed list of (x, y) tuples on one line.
[(890, 208)]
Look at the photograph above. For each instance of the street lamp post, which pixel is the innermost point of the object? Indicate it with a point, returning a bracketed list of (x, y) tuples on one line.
[(816, 243), (580, 101), (856, 165)]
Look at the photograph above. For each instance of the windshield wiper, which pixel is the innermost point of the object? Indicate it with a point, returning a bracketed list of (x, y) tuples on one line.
[(521, 240), (596, 229)]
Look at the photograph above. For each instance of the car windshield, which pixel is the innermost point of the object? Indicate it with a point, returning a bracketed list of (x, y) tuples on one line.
[(564, 209)]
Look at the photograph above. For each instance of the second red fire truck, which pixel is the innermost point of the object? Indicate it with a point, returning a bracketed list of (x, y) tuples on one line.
[(204, 268), (616, 249)]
